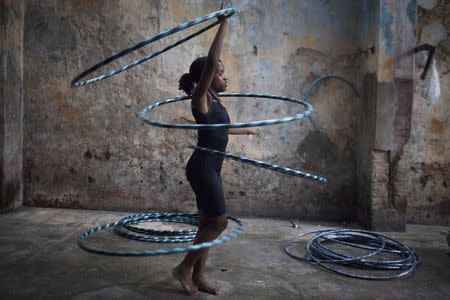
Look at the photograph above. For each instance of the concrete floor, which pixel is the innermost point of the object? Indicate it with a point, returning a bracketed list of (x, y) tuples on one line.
[(40, 259)]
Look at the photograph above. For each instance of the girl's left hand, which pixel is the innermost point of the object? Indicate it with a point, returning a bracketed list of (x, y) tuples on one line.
[(223, 6)]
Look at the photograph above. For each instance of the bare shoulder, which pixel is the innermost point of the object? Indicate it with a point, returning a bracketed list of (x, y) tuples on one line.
[(202, 104)]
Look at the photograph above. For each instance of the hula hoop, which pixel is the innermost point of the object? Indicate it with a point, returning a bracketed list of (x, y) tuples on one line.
[(77, 82), (153, 239), (319, 80), (129, 231), (317, 253), (309, 110), (327, 77), (263, 164), (183, 219), (148, 216)]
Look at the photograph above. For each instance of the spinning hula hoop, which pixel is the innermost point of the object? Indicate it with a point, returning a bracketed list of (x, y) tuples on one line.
[(148, 216), (77, 82), (263, 164), (308, 111)]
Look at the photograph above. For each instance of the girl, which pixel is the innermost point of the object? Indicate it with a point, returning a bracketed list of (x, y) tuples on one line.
[(205, 79)]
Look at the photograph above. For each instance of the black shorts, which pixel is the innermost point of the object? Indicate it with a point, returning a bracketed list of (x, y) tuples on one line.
[(204, 178)]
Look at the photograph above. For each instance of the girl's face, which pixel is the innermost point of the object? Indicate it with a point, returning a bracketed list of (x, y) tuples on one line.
[(220, 81)]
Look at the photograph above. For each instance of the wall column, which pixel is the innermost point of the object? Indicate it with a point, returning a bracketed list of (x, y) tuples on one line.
[(386, 115), (11, 106)]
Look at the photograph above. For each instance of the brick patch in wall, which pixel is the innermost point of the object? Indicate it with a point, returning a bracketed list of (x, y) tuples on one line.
[(384, 215), (380, 179)]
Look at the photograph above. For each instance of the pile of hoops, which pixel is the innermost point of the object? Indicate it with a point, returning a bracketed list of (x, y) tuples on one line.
[(127, 227), (382, 258)]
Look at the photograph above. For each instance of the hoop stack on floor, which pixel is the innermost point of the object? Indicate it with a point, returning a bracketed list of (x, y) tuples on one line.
[(159, 217), (399, 261)]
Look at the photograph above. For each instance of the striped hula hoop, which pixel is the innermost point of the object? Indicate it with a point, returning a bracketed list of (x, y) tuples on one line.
[(263, 164), (401, 261), (82, 239), (308, 111), (78, 82)]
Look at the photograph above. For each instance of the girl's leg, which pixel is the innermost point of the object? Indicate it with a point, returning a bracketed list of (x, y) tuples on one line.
[(200, 264), (212, 228), (198, 276)]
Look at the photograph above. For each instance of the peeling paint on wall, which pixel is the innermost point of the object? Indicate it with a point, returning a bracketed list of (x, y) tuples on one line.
[(412, 11), (386, 23)]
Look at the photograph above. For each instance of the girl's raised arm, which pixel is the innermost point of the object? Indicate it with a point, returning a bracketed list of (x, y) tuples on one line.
[(199, 95)]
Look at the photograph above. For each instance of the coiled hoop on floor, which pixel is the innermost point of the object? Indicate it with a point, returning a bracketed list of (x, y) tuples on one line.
[(308, 110), (128, 230), (77, 82), (184, 219), (377, 244), (154, 216)]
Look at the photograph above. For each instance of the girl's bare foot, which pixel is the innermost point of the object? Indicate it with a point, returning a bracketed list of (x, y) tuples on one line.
[(184, 277), (204, 285)]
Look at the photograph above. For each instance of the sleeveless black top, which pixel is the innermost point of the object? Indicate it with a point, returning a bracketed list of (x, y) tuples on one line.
[(214, 138)]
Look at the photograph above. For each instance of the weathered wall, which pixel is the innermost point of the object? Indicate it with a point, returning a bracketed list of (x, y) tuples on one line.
[(403, 149), (426, 159), (87, 148), (384, 124), (11, 105)]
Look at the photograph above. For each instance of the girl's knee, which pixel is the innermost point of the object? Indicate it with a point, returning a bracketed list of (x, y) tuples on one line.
[(225, 223), (218, 224), (222, 223)]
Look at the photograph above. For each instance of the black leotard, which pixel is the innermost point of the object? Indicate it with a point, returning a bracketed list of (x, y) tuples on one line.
[(203, 169)]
